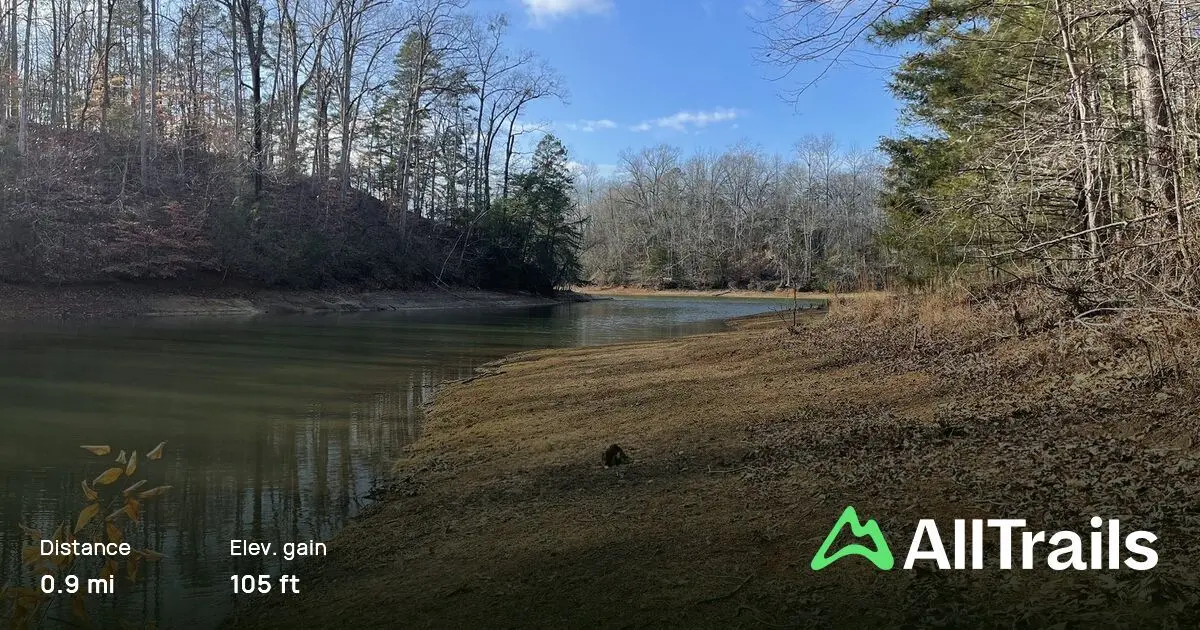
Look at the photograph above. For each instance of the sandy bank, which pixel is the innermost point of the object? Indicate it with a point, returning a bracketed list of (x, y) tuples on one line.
[(746, 447), (131, 300)]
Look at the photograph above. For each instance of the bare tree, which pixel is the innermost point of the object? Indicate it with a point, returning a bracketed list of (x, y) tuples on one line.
[(740, 218)]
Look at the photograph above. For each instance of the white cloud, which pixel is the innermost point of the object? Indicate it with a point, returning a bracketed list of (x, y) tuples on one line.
[(682, 121), (588, 126), (603, 171), (544, 11)]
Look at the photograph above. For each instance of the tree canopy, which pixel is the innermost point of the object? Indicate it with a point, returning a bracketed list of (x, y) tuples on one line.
[(1050, 143)]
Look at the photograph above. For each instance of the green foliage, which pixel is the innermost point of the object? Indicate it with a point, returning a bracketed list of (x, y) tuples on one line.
[(529, 239), (923, 233), (941, 192)]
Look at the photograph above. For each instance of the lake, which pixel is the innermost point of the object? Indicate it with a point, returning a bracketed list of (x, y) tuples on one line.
[(277, 428)]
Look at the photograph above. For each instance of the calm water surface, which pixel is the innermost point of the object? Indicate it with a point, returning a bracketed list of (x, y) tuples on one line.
[(277, 428)]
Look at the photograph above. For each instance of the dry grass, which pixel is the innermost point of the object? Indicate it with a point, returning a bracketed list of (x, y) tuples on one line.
[(933, 316)]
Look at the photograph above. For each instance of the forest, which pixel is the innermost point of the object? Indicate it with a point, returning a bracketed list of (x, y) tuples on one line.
[(739, 219), (315, 142), (308, 143), (296, 143), (1051, 145)]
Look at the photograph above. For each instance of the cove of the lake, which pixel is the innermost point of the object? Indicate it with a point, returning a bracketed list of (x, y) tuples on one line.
[(277, 428)]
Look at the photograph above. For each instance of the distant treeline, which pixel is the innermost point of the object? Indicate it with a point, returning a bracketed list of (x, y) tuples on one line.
[(736, 219)]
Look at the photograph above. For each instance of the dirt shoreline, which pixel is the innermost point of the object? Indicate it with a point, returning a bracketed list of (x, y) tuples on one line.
[(746, 447), (782, 294), (113, 301)]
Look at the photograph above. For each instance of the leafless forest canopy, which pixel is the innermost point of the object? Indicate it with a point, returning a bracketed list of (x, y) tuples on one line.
[(736, 219), (304, 142), (292, 142)]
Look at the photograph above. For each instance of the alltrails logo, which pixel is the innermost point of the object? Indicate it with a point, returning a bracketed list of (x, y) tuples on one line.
[(880, 556), (1067, 549)]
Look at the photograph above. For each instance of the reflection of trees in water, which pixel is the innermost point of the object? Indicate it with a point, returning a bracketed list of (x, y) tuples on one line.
[(48, 496), (275, 432), (298, 475), (298, 478), (43, 500)]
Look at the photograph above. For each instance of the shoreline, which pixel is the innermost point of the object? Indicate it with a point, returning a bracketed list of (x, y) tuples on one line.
[(783, 294), (133, 300), (746, 444), (122, 300)]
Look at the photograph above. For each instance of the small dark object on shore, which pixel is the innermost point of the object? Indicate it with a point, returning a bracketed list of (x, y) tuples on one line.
[(614, 456)]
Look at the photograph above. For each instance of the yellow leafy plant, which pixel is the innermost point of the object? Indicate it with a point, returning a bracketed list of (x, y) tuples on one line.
[(27, 606)]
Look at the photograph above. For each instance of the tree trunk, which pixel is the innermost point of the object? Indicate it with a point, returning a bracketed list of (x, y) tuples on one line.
[(253, 25), (345, 107), (14, 98), (237, 76), (154, 71), (143, 133), (1079, 92), (55, 64), (1156, 119), (23, 110), (105, 89), (509, 149), (321, 139)]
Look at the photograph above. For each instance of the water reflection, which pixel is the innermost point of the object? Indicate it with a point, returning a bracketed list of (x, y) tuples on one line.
[(277, 428)]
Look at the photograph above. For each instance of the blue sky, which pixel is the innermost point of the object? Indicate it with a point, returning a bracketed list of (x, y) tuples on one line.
[(683, 72)]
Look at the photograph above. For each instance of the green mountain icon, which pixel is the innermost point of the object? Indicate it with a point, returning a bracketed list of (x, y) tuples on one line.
[(880, 556)]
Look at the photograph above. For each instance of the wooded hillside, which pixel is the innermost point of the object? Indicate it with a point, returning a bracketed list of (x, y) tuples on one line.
[(285, 142)]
